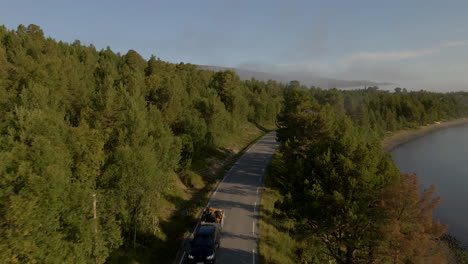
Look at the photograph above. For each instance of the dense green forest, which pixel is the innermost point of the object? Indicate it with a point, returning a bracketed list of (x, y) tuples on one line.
[(344, 195), (78, 123), (383, 111)]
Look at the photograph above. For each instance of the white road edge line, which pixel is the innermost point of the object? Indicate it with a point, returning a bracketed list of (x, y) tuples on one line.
[(253, 255), (222, 181), (242, 157), (193, 232), (229, 171), (182, 258), (224, 178), (253, 222)]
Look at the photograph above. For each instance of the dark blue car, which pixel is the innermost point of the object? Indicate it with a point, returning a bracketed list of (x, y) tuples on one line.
[(204, 245)]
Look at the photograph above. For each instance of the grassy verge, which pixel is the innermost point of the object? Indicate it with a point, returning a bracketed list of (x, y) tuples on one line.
[(188, 194), (275, 243), (280, 240)]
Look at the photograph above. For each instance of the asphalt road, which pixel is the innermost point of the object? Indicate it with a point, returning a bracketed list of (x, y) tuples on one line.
[(239, 196)]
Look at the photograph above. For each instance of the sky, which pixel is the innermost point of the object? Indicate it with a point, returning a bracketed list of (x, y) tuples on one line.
[(411, 43)]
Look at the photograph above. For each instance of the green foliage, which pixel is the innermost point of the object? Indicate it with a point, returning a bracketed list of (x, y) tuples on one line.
[(339, 187), (77, 122), (280, 241), (333, 181), (382, 111)]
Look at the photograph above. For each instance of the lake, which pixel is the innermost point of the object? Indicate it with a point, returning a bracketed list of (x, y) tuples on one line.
[(441, 159)]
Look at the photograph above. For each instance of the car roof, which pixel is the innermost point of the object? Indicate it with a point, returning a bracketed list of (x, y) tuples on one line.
[(206, 230)]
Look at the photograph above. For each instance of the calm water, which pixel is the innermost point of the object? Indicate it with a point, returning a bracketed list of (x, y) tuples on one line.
[(441, 159)]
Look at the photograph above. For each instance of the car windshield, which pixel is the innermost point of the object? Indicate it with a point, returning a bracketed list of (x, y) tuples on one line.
[(202, 240)]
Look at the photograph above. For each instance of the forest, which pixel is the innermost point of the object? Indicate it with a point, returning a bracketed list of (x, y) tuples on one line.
[(345, 197), (94, 143), (78, 123)]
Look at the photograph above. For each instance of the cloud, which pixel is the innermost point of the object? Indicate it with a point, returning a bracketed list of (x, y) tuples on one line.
[(304, 65), (358, 59), (451, 44), (388, 56), (383, 56), (398, 66)]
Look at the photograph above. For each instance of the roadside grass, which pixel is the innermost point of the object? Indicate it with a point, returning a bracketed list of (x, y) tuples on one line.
[(280, 242), (275, 243), (186, 197)]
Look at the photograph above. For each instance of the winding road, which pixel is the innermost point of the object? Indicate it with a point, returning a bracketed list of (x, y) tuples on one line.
[(238, 195)]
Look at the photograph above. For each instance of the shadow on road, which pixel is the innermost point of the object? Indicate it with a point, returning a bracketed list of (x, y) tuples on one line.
[(234, 256), (232, 235)]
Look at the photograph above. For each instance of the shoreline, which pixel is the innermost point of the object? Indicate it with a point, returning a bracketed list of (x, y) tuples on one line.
[(398, 138)]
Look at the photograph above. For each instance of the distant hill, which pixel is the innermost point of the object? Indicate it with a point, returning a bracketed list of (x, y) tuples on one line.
[(304, 78)]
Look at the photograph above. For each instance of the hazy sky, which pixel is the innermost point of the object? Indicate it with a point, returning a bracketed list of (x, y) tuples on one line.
[(415, 44)]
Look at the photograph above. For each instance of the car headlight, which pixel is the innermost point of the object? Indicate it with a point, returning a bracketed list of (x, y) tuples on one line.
[(190, 256), (210, 256)]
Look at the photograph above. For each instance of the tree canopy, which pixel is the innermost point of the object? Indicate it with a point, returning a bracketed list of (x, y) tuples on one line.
[(78, 122), (344, 193), (91, 139)]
